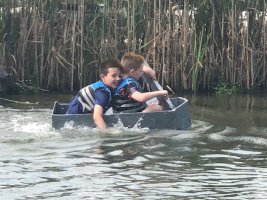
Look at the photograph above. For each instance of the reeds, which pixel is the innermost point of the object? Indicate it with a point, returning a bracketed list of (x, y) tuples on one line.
[(191, 45)]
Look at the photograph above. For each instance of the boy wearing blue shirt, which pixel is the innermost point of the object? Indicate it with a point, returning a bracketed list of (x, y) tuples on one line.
[(96, 97)]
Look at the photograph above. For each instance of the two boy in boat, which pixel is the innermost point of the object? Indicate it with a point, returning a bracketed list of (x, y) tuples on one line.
[(118, 88)]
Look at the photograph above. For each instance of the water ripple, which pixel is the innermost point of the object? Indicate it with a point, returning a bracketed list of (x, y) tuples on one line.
[(205, 162)]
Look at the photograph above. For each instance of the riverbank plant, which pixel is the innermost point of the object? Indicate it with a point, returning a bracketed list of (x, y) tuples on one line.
[(223, 88), (190, 44)]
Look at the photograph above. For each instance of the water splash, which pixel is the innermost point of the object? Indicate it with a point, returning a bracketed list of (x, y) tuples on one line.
[(25, 125), (136, 128), (117, 129)]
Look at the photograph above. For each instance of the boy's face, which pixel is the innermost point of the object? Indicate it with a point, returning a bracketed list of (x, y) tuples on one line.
[(113, 77), (137, 73)]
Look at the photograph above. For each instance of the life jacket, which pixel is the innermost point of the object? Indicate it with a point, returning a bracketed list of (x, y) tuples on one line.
[(86, 95), (126, 104)]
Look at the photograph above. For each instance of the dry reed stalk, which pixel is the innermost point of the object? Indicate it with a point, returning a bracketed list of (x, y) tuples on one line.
[(234, 52), (231, 46), (73, 47), (251, 68), (133, 22), (35, 36), (222, 50), (2, 54), (176, 52), (160, 45), (164, 59), (154, 34), (42, 49), (264, 47), (81, 60), (247, 62), (103, 32), (185, 25), (115, 19), (168, 68), (65, 38), (243, 53)]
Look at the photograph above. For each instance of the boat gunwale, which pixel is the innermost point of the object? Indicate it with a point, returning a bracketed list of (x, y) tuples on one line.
[(184, 101)]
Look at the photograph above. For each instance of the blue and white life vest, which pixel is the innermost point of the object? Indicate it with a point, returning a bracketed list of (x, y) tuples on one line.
[(126, 104), (87, 95)]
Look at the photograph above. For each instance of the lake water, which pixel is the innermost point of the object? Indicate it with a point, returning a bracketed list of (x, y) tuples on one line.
[(222, 156)]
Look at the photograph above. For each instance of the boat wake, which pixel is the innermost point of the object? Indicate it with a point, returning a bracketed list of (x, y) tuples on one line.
[(252, 136), (25, 125)]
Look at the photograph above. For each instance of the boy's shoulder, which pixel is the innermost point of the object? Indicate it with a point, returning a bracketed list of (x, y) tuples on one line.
[(130, 79), (129, 83), (99, 85)]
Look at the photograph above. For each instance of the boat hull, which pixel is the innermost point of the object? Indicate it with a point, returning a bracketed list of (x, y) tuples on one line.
[(177, 118)]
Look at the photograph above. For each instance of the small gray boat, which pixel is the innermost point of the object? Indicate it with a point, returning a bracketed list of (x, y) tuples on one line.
[(177, 118)]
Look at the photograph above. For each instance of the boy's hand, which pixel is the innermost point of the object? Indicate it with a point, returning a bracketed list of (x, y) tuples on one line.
[(164, 94), (149, 72)]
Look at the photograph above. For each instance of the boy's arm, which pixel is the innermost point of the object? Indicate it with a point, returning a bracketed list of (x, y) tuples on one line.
[(101, 100), (149, 72), (98, 117), (142, 97)]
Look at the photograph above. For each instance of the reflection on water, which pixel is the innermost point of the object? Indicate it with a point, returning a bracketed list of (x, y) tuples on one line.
[(222, 156), (240, 111)]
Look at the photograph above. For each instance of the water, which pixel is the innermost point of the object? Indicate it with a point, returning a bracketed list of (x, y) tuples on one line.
[(223, 155)]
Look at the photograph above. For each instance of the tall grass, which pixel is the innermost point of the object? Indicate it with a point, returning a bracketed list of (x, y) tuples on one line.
[(192, 45)]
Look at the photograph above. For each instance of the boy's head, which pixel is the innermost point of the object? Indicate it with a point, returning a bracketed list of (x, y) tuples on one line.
[(133, 64), (110, 72)]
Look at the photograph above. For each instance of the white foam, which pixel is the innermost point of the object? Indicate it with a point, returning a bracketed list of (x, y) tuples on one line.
[(220, 136), (116, 153)]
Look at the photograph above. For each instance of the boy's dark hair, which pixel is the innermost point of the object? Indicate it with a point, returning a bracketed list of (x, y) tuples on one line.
[(131, 61), (111, 63)]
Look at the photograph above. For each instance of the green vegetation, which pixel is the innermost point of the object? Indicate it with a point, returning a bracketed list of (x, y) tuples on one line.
[(225, 89)]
